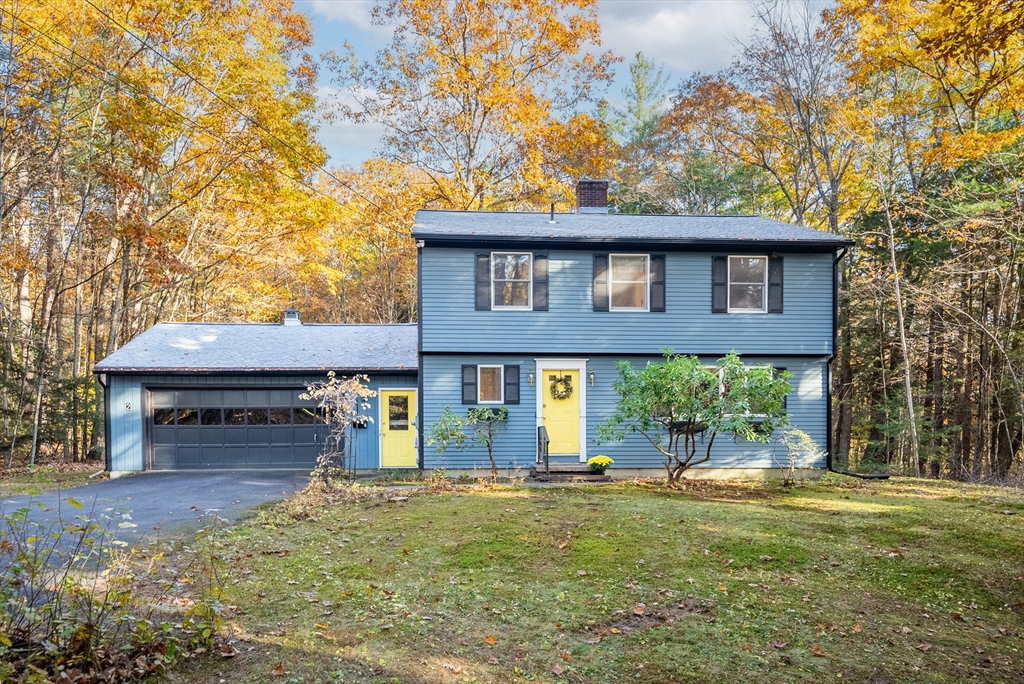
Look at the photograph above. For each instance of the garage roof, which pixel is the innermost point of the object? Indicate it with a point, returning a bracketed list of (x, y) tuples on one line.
[(232, 347), (668, 229)]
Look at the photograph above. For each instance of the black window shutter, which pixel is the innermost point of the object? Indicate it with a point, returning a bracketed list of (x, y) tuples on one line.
[(469, 384), (600, 282), (657, 282), (774, 284), (483, 282), (719, 284), (785, 399), (511, 384), (540, 282)]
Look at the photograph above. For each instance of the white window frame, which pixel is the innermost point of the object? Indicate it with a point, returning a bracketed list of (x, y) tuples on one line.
[(728, 284), (529, 285), (611, 283), (501, 384)]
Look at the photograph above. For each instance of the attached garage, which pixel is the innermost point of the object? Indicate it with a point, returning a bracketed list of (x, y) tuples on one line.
[(198, 396)]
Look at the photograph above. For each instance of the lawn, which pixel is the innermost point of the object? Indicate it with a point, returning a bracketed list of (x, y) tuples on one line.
[(906, 580), (46, 479)]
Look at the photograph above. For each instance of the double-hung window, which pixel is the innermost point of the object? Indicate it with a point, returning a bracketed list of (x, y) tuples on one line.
[(748, 284), (490, 384), (512, 280), (629, 278)]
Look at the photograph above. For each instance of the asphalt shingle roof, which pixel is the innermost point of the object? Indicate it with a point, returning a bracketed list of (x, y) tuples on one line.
[(634, 228), (226, 347)]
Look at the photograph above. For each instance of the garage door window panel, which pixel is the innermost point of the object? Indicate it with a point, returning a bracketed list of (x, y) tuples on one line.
[(280, 416), (234, 416), (188, 416), (163, 416), (256, 416), (211, 416)]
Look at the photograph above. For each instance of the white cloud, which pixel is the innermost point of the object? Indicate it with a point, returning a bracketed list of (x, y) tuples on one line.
[(347, 143), (684, 35)]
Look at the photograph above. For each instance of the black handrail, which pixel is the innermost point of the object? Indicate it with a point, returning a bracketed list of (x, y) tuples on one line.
[(542, 450)]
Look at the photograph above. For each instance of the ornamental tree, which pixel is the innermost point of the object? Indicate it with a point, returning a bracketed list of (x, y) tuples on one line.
[(672, 403), (340, 401), (449, 430)]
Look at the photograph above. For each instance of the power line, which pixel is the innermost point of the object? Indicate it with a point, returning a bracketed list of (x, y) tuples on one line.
[(199, 127), (142, 41)]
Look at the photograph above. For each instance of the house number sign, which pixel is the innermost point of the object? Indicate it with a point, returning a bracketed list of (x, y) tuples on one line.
[(128, 406)]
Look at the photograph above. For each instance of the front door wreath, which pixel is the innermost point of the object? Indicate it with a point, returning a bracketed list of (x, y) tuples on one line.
[(561, 387)]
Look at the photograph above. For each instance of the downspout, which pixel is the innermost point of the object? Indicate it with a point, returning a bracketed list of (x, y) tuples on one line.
[(104, 383), (828, 376)]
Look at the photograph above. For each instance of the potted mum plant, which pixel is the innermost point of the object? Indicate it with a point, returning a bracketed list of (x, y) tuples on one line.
[(598, 464)]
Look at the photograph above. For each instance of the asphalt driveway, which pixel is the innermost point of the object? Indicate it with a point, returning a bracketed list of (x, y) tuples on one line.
[(167, 504)]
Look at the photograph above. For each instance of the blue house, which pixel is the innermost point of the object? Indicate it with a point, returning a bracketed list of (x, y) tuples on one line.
[(530, 311)]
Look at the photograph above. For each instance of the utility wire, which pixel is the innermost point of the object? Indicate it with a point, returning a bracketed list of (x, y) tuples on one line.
[(144, 43), (199, 127)]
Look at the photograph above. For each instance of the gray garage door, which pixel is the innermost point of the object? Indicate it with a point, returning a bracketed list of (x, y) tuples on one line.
[(233, 428)]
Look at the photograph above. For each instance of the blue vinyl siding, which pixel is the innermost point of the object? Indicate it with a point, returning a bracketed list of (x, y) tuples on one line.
[(128, 427), (515, 445), (571, 327)]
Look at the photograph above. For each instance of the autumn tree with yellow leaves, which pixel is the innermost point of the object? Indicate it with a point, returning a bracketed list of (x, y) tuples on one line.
[(484, 97)]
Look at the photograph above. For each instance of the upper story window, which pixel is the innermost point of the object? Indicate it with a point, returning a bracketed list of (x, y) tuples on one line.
[(629, 282), (512, 280), (630, 275), (748, 284)]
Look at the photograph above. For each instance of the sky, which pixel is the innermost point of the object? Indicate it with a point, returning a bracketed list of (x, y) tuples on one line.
[(683, 35)]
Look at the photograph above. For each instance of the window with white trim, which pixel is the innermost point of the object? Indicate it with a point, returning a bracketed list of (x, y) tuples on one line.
[(512, 280), (490, 384), (629, 275), (748, 284)]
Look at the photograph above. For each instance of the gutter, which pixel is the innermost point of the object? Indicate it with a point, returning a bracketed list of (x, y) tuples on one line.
[(828, 376)]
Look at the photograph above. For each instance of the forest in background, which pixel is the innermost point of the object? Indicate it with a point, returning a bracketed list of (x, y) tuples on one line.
[(159, 161)]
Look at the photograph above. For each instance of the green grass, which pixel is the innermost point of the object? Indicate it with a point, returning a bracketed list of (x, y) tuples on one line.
[(44, 479), (904, 581)]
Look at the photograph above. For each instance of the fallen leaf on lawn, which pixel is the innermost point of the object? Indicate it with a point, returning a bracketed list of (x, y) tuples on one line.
[(566, 656), (581, 573), (614, 631), (639, 610), (278, 670), (765, 558), (722, 587), (924, 648), (490, 639), (904, 630), (557, 670), (492, 661), (454, 669), (779, 644), (228, 651), (857, 628), (746, 647), (292, 582), (979, 649), (957, 615), (320, 625), (818, 652)]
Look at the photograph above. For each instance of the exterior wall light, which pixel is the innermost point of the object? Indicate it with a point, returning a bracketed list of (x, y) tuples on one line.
[(593, 376), (529, 377)]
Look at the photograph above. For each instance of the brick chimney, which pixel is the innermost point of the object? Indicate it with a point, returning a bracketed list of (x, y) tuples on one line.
[(591, 196)]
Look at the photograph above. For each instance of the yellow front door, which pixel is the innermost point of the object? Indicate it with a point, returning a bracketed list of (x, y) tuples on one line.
[(397, 431), (561, 413)]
